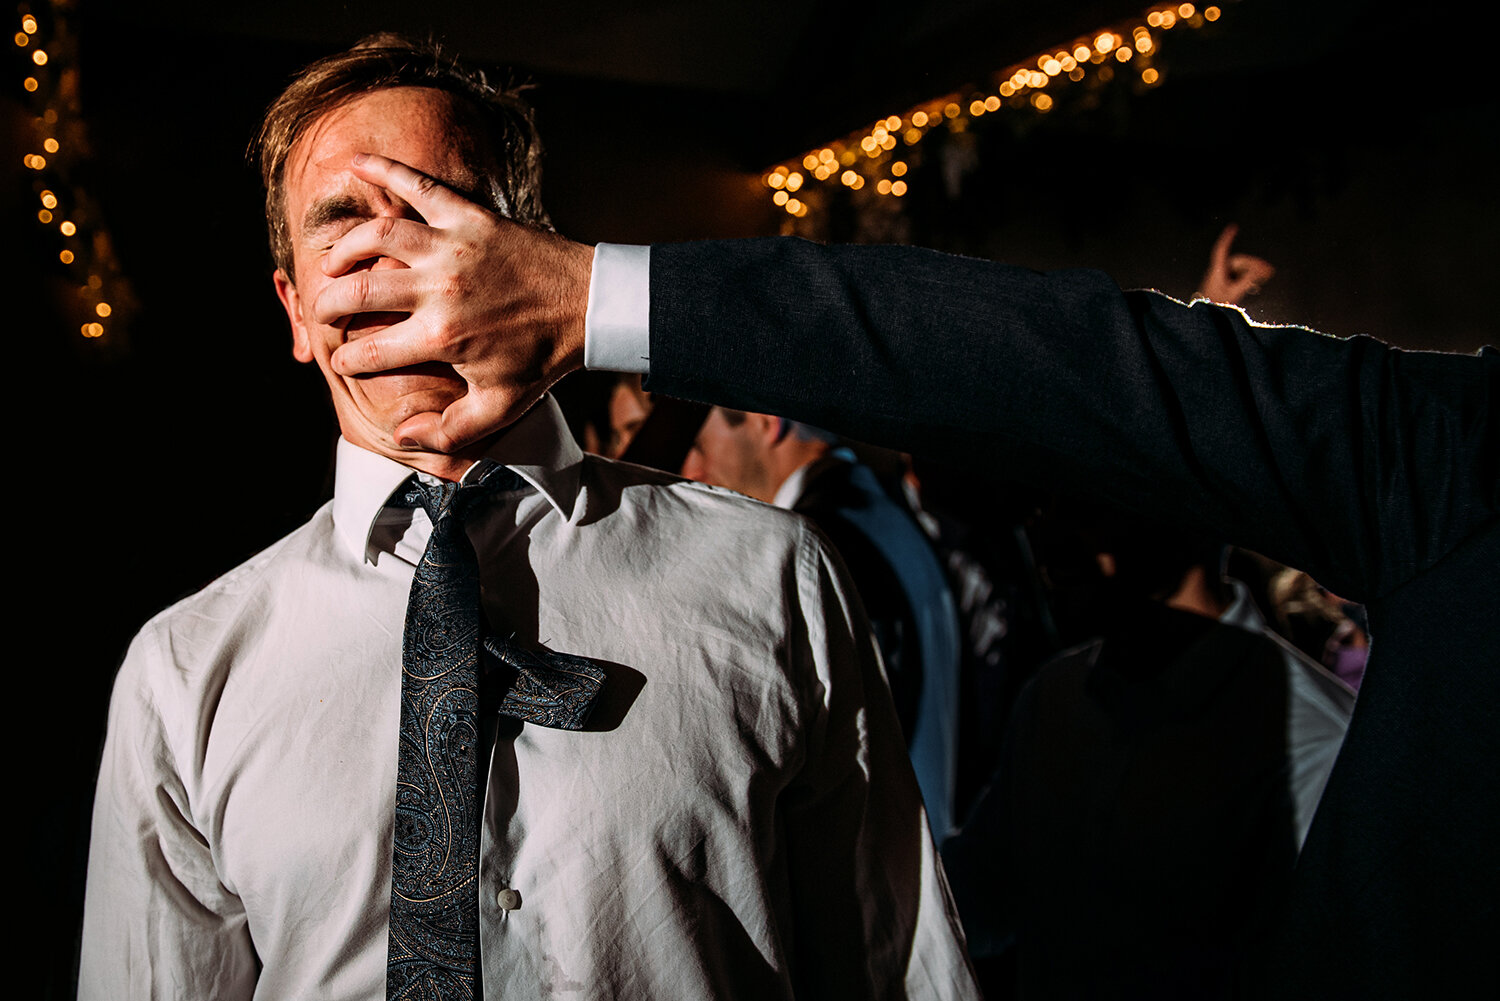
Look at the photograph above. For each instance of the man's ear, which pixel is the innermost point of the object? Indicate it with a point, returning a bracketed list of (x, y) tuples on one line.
[(767, 428), (286, 291)]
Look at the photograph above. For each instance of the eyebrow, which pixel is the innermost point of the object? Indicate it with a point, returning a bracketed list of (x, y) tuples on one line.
[(334, 209)]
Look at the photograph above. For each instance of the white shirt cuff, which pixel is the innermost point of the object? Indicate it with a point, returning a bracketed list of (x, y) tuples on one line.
[(616, 326)]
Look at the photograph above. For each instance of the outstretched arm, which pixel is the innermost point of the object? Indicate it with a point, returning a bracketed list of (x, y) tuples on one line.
[(1360, 463)]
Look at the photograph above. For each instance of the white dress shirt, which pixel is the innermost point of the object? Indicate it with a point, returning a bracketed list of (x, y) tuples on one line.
[(1319, 706), (616, 334), (739, 820)]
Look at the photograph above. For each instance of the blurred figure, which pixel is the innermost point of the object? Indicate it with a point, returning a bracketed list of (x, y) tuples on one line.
[(1321, 624), (1155, 787), (911, 610), (629, 406), (980, 530)]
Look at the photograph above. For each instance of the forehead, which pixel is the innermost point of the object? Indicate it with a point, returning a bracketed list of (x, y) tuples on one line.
[(427, 129)]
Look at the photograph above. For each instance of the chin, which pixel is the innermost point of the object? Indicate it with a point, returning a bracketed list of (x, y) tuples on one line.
[(389, 400)]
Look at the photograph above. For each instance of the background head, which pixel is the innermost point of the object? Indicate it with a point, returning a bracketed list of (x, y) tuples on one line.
[(504, 149), (753, 453)]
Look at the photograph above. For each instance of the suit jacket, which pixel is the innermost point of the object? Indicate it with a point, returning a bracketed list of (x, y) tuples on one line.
[(1376, 470)]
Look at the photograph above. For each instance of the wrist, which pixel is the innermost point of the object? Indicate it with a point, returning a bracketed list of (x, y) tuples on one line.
[(577, 268)]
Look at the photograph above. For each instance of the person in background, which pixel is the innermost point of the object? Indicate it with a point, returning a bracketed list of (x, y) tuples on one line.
[(1155, 786)]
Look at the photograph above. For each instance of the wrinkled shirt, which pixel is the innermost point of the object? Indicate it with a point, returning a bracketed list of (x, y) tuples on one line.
[(738, 820)]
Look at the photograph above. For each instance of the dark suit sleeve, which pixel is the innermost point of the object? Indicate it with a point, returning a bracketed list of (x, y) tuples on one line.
[(1360, 463)]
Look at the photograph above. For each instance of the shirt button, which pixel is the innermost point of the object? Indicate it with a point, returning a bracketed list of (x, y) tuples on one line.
[(508, 899)]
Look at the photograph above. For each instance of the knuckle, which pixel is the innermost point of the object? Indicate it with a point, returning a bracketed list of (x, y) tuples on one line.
[(361, 352), (385, 227), (360, 289)]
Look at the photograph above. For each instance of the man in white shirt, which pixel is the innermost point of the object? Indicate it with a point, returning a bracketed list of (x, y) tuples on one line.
[(737, 818)]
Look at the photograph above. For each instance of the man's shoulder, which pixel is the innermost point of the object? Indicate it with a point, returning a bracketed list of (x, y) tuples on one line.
[(230, 599), (694, 546), (675, 505)]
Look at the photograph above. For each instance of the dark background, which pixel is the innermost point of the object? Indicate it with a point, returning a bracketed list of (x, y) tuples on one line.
[(1353, 141)]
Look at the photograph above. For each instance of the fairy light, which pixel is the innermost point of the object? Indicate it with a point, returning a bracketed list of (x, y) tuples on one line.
[(69, 231), (1031, 86)]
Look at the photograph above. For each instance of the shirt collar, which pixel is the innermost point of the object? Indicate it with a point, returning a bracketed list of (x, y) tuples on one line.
[(792, 488), (1242, 611), (539, 447)]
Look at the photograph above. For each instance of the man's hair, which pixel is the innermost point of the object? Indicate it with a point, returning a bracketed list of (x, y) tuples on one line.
[(798, 430), (506, 142)]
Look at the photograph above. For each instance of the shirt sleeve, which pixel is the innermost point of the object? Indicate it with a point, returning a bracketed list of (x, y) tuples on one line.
[(158, 922), (873, 917), (615, 335)]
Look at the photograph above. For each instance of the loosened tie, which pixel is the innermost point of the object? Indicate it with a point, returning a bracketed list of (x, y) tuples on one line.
[(434, 935)]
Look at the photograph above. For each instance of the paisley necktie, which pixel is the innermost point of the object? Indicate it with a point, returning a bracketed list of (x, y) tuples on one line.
[(446, 656)]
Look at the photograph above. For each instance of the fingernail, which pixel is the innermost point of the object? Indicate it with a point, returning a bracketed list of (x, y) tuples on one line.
[(361, 157), (409, 443)]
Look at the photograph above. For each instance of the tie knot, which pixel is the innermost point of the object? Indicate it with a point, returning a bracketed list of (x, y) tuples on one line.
[(444, 497)]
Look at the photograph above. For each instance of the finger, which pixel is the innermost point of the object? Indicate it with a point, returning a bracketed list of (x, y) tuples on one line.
[(439, 204), (400, 344), (1261, 270), (404, 240), (387, 290), (1250, 270), (476, 415), (1235, 291), (1220, 255), (462, 423)]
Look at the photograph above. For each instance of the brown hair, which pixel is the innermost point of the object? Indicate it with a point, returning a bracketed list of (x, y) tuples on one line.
[(509, 152)]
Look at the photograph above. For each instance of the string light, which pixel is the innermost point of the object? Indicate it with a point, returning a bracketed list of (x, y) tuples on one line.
[(866, 155), (100, 290)]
